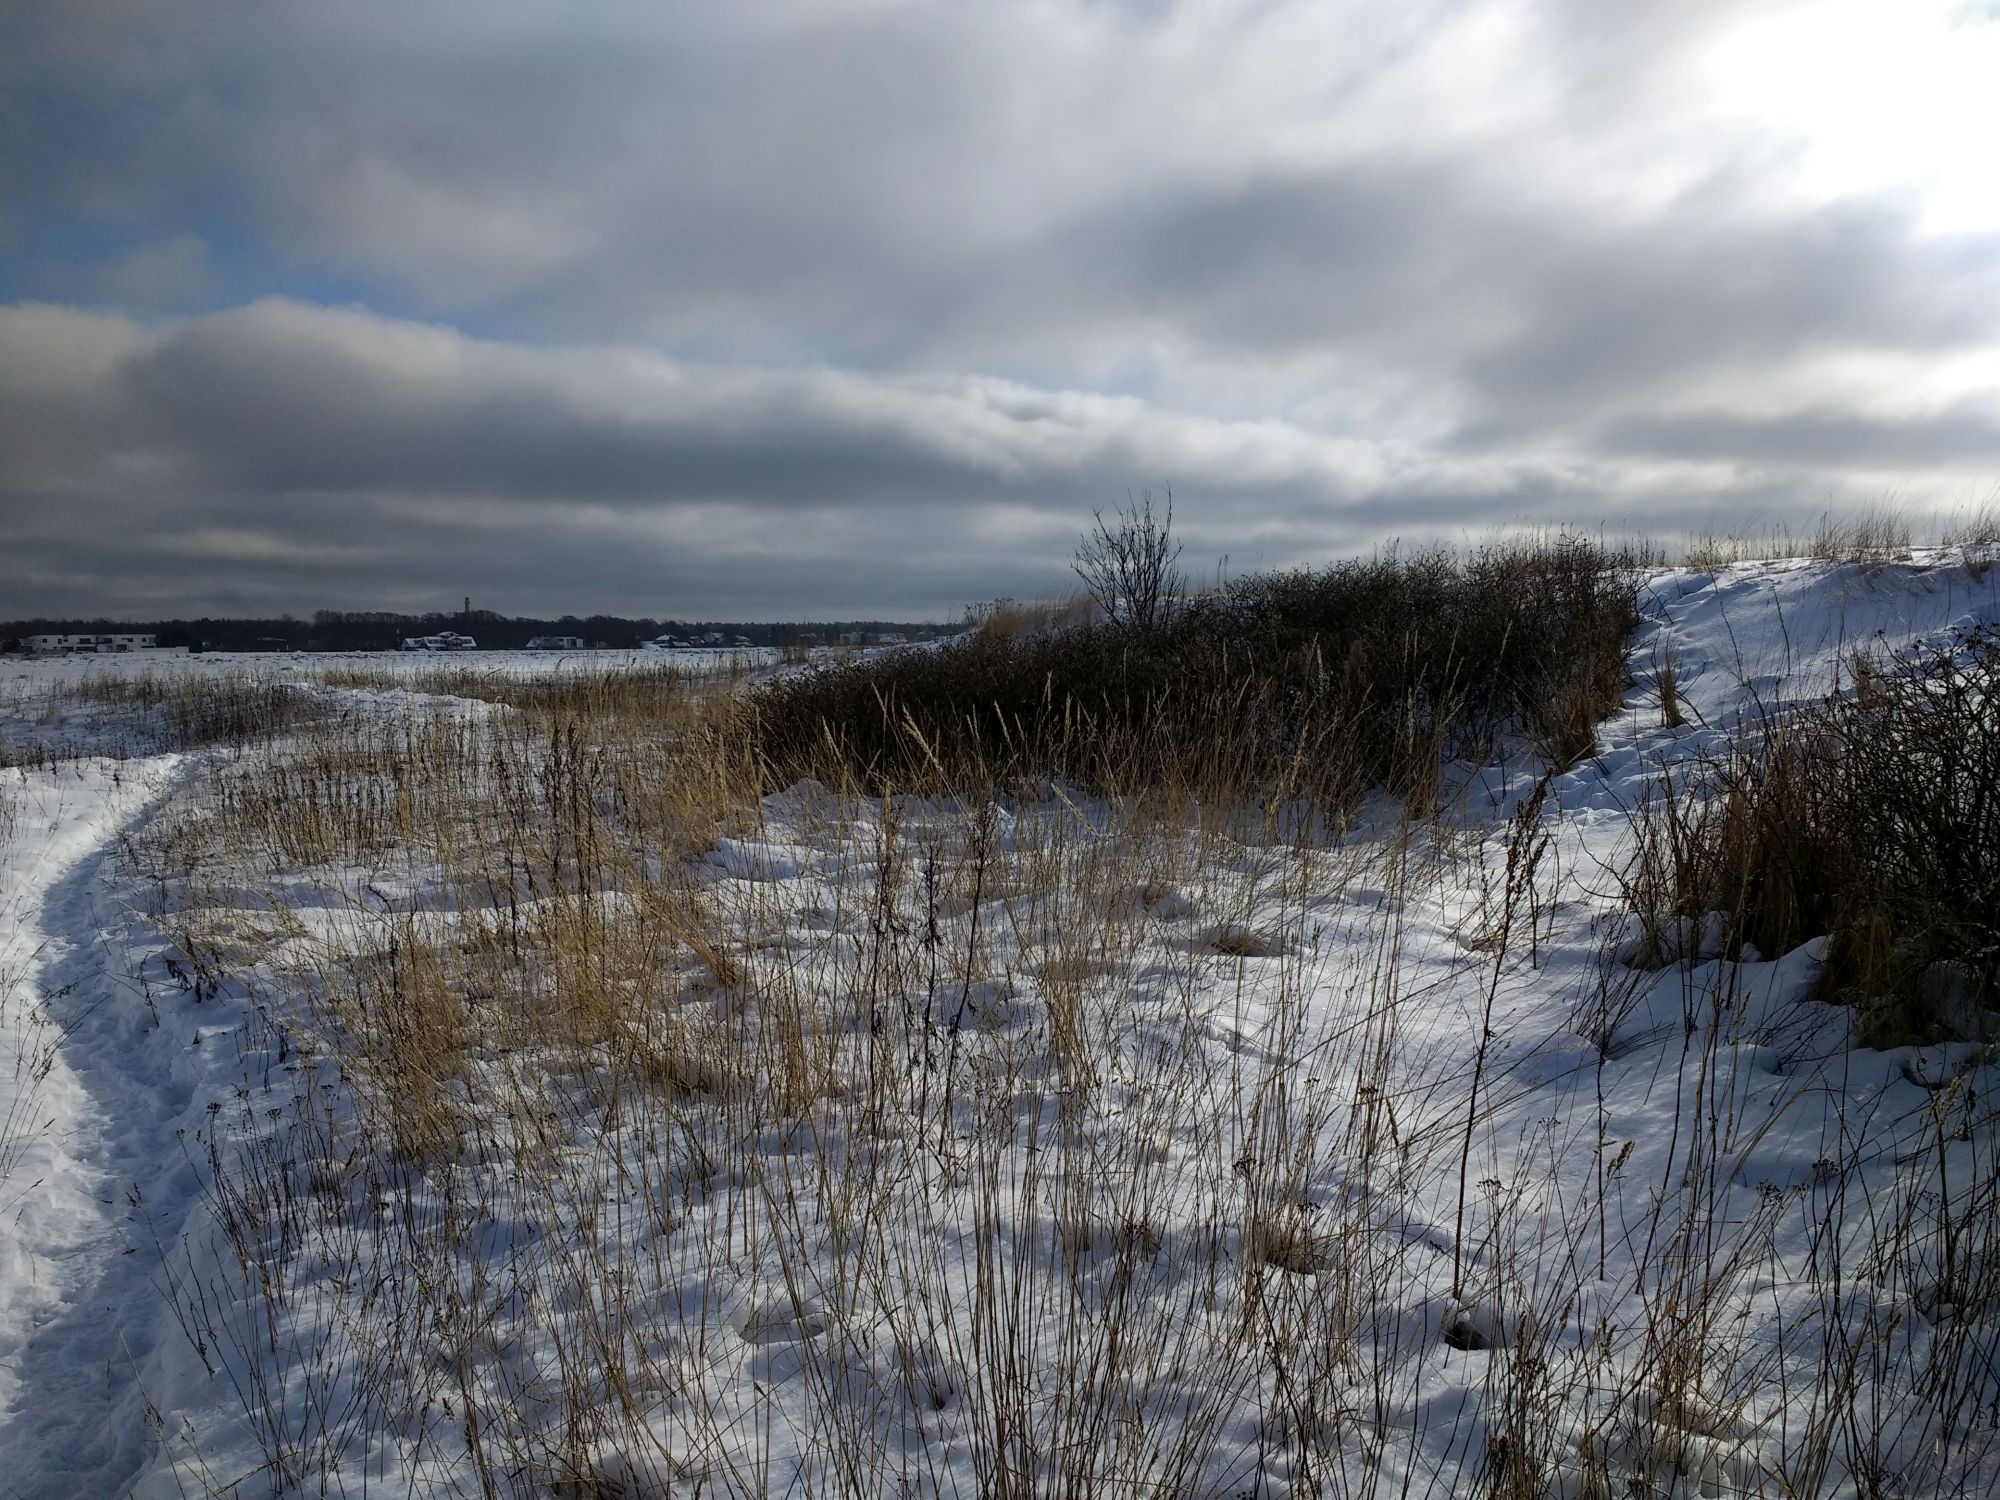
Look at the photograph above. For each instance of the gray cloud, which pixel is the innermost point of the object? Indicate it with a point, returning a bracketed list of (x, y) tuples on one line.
[(932, 185), (683, 292), (1964, 436), (280, 450), (1641, 313)]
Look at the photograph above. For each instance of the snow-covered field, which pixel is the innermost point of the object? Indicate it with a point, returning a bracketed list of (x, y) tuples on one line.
[(405, 663), (415, 1105), (26, 677)]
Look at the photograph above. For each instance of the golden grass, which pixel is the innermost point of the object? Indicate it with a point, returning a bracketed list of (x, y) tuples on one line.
[(1026, 1124), (1885, 532)]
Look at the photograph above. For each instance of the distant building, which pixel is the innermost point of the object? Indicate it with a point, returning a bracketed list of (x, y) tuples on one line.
[(444, 640), (99, 645), (556, 643), (710, 640)]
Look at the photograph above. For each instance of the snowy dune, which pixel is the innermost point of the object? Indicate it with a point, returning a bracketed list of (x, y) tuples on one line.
[(1234, 1198)]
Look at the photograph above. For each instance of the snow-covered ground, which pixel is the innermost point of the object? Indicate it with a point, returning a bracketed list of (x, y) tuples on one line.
[(1011, 1150), (83, 1125), (29, 672)]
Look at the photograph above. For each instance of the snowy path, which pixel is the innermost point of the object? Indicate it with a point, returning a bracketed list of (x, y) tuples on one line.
[(94, 1099)]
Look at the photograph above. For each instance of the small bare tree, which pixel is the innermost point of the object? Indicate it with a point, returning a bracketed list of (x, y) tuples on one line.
[(1128, 565)]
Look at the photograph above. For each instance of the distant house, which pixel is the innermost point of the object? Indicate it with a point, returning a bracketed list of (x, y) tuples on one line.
[(444, 640), (556, 643), (98, 645), (711, 640)]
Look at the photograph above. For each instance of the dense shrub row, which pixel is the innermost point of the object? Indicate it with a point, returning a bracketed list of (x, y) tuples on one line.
[(1362, 673)]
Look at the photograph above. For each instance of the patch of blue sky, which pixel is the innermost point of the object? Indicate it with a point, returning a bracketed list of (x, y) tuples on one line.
[(76, 259)]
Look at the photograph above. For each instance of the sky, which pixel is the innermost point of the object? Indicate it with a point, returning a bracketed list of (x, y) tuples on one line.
[(863, 307)]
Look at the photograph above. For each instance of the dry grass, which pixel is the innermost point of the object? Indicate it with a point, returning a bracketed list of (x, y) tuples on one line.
[(811, 1121), (1667, 690), (150, 712), (1977, 526), (1325, 684), (627, 690), (1872, 820), (1875, 534), (1007, 621), (1977, 531), (1090, 1145)]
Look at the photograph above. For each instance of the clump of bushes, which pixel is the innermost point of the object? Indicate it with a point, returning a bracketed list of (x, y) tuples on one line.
[(1363, 673), (1872, 819)]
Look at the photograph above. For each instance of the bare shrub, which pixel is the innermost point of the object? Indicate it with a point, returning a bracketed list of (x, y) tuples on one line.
[(1128, 566)]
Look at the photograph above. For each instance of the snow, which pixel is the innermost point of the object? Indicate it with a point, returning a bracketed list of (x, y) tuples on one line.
[(1694, 1172), (77, 1124), (29, 674), (1754, 632)]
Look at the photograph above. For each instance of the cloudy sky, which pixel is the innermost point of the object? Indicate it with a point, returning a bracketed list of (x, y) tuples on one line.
[(836, 307)]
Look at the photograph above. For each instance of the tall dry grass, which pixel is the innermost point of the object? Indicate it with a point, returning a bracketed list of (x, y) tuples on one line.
[(1884, 532), (1360, 675), (951, 1052), (120, 714), (1073, 1101)]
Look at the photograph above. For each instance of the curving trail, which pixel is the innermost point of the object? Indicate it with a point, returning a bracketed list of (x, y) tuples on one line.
[(92, 1094)]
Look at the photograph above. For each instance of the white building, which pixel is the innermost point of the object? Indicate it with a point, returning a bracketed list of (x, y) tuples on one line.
[(104, 645), (556, 643), (444, 640)]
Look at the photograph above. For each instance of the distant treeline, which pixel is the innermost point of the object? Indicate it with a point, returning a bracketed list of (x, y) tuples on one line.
[(356, 630)]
